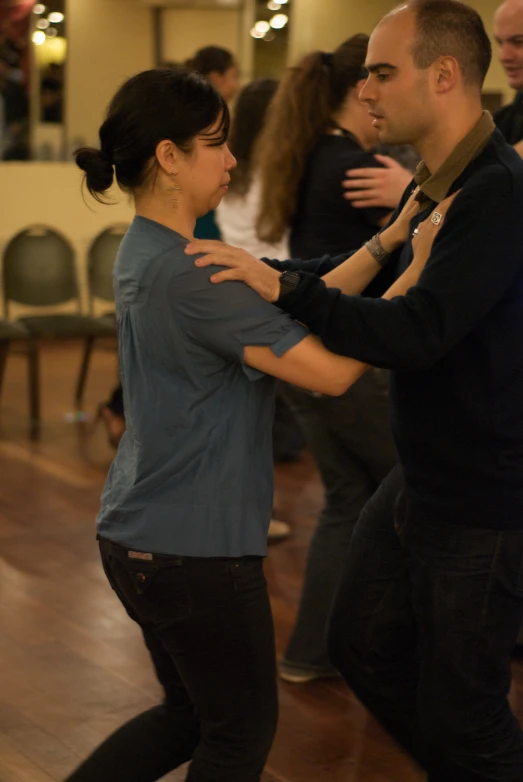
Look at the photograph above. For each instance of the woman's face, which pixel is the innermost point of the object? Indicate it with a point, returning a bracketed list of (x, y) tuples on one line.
[(227, 83), (203, 175)]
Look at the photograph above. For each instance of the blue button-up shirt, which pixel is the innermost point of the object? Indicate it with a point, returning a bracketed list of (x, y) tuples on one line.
[(193, 474)]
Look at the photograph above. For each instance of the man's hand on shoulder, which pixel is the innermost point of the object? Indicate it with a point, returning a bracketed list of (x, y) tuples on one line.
[(242, 267)]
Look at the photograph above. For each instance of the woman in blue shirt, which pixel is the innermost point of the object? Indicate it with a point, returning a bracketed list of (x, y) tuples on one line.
[(187, 503)]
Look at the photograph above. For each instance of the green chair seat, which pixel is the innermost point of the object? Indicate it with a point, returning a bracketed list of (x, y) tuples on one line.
[(109, 320), (12, 331), (66, 326)]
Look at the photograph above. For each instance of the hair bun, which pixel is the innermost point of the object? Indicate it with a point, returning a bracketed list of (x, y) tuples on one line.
[(99, 171)]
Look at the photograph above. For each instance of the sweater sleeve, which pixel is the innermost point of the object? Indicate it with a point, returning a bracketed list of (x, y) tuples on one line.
[(317, 266), (474, 260)]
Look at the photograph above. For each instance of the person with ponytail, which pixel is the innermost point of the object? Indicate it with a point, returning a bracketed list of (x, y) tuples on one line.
[(316, 129), (182, 527)]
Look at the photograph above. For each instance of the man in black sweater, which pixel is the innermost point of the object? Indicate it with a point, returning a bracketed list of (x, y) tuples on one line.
[(432, 599)]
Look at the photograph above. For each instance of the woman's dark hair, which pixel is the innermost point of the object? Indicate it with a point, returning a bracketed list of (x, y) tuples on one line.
[(302, 109), (210, 59), (151, 107), (249, 116)]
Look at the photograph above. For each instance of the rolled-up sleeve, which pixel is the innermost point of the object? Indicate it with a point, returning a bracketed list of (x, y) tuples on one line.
[(228, 317)]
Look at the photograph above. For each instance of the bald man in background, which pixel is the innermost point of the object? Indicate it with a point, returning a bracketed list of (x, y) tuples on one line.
[(508, 32), (374, 187)]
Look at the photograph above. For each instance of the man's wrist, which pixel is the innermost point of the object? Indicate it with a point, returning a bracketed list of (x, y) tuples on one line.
[(288, 282)]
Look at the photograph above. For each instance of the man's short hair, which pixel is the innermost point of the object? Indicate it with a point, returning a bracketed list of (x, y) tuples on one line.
[(451, 28)]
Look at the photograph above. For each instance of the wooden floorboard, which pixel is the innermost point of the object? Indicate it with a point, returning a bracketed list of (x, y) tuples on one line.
[(72, 665)]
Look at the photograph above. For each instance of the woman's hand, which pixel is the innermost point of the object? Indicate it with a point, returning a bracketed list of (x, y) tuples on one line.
[(397, 234), (242, 267), (426, 232)]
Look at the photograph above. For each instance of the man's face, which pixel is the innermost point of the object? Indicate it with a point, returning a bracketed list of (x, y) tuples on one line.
[(397, 92), (508, 32)]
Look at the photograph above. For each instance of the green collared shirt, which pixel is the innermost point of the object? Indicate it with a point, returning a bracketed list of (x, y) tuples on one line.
[(435, 187)]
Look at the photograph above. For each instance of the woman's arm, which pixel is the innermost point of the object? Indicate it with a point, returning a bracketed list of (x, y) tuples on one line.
[(310, 365), (359, 270)]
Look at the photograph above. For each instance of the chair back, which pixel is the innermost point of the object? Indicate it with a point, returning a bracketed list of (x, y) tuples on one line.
[(39, 269), (100, 262)]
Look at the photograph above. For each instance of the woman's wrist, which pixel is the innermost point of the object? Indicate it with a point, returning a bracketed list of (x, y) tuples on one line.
[(390, 239)]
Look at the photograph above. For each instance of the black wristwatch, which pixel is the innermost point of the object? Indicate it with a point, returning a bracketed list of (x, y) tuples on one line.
[(289, 282)]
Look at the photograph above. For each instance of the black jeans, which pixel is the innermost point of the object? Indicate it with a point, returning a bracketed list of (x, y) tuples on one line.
[(422, 630), (208, 626), (352, 445)]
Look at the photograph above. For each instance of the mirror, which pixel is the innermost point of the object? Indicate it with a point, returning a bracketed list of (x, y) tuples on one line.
[(32, 62)]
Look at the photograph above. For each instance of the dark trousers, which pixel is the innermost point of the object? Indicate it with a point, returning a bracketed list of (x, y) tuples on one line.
[(208, 626), (352, 445), (422, 630)]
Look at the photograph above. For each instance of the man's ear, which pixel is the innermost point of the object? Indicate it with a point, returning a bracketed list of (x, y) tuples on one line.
[(445, 73)]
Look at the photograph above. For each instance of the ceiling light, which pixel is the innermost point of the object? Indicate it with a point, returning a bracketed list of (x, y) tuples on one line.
[(256, 34), (51, 32), (38, 37), (273, 5), (43, 24), (279, 20), (56, 17), (282, 2), (39, 9), (262, 27), (270, 36)]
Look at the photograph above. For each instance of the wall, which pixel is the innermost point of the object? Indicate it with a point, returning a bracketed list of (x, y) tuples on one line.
[(184, 31), (49, 193), (108, 41), (324, 25)]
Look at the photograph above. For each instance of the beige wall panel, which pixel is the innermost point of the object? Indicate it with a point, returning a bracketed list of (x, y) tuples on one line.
[(108, 41), (184, 31)]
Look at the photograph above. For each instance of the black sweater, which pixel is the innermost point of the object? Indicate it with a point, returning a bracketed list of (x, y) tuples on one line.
[(455, 345)]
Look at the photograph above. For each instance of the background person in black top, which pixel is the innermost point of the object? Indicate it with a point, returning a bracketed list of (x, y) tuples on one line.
[(316, 114), (431, 602), (508, 32)]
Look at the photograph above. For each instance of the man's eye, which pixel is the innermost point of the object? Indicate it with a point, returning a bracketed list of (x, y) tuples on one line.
[(382, 76)]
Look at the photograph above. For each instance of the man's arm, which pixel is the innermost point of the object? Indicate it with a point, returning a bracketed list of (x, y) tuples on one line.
[(465, 277), (318, 266)]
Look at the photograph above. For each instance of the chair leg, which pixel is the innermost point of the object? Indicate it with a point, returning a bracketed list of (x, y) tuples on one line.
[(34, 387), (84, 369), (4, 350)]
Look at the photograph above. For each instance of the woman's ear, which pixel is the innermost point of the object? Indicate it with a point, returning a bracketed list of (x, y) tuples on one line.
[(167, 155)]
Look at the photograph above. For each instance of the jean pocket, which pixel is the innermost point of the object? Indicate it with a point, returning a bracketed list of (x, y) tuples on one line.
[(247, 574), (160, 591)]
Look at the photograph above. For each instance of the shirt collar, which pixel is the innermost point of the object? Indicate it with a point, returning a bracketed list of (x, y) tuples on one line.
[(435, 187)]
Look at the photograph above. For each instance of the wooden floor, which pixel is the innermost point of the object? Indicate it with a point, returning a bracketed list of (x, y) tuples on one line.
[(72, 666)]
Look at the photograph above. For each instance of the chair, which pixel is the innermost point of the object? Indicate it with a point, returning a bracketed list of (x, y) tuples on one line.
[(9, 332), (40, 271), (100, 262)]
